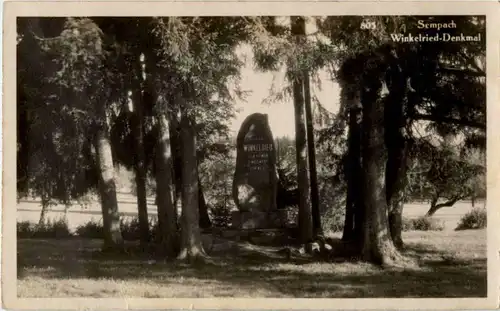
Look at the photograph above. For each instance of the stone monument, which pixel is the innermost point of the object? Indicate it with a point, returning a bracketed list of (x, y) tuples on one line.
[(255, 178)]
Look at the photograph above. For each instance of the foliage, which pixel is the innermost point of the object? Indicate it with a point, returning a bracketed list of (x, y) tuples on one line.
[(70, 67), (475, 219), (443, 172), (216, 174), (58, 75), (51, 229), (449, 104), (423, 223), (285, 162), (333, 219)]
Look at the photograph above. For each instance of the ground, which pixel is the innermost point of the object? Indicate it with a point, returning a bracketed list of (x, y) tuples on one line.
[(450, 264)]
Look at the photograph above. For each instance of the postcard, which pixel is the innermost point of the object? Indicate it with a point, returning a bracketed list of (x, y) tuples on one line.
[(251, 155)]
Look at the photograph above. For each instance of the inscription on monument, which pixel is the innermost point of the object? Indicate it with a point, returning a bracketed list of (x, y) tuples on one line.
[(257, 156)]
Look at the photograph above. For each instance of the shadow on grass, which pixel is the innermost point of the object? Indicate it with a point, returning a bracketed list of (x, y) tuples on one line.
[(251, 267)]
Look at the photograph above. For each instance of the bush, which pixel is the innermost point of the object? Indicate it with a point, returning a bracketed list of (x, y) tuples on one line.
[(129, 228), (131, 231), (475, 219), (25, 229), (423, 223), (56, 229), (90, 230)]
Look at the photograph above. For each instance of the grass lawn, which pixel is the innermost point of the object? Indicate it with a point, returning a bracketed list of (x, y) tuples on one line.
[(450, 264)]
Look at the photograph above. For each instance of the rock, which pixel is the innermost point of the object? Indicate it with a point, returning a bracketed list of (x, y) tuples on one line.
[(255, 180), (327, 247), (302, 250), (313, 248)]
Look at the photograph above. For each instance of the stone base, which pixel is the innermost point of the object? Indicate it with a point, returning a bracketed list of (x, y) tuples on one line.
[(259, 220)]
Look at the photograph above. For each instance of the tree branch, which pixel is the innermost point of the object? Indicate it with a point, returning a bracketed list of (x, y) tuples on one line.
[(435, 207), (464, 122), (461, 71)]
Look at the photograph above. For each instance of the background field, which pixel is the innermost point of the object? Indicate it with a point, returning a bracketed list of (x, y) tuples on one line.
[(29, 210)]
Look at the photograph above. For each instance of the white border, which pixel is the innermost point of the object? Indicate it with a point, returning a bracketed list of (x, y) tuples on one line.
[(279, 8)]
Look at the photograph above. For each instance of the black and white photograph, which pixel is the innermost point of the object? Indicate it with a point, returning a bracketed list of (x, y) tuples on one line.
[(251, 156)]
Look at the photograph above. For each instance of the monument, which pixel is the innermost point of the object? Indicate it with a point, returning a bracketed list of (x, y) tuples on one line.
[(255, 177)]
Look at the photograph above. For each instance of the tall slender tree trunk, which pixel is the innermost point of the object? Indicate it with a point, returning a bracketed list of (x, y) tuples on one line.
[(396, 184), (348, 232), (355, 208), (107, 188), (378, 246), (167, 212), (175, 143), (139, 156), (313, 175), (305, 217), (397, 149), (43, 213), (191, 244), (202, 207)]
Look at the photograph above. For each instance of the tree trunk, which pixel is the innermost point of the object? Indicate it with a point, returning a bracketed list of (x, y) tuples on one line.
[(175, 143), (191, 244), (305, 217), (203, 207), (378, 246), (395, 196), (396, 223), (316, 216), (348, 232), (167, 212), (397, 166), (140, 165), (353, 227), (435, 207), (43, 212), (107, 189), (432, 210), (177, 155)]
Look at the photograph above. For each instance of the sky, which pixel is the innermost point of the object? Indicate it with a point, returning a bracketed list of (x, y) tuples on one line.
[(280, 114)]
